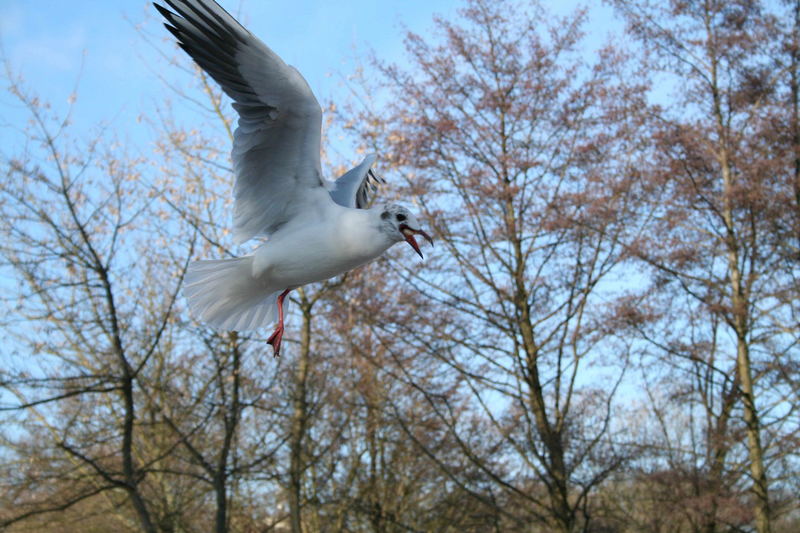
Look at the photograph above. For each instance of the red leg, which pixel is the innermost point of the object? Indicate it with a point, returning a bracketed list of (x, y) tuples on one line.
[(275, 338)]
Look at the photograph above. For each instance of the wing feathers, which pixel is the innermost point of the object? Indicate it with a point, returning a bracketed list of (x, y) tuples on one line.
[(277, 142), (354, 187), (212, 47)]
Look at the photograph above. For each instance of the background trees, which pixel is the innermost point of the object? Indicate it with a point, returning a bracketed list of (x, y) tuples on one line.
[(520, 153), (604, 338), (721, 189)]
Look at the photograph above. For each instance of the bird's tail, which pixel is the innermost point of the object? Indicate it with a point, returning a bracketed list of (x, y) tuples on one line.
[(224, 295)]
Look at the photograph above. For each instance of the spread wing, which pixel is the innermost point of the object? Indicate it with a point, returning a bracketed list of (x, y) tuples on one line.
[(354, 187), (276, 146)]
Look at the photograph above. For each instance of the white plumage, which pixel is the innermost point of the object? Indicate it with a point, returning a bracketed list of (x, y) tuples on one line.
[(315, 230)]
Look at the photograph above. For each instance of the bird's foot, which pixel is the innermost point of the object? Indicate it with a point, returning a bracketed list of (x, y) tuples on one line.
[(275, 340), (277, 335)]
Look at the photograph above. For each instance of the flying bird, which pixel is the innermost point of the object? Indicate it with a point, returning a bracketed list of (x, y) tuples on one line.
[(314, 229)]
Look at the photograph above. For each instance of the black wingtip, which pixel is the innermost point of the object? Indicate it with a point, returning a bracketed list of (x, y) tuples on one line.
[(166, 13), (175, 32)]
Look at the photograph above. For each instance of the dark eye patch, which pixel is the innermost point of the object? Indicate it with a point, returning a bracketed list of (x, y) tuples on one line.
[(401, 217), (385, 215)]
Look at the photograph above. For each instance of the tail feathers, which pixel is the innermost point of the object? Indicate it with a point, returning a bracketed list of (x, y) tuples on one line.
[(224, 295)]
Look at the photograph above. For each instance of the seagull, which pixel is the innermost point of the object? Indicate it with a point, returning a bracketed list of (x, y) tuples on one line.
[(314, 229)]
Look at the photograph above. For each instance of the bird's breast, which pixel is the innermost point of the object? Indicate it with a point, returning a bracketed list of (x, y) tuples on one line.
[(318, 252)]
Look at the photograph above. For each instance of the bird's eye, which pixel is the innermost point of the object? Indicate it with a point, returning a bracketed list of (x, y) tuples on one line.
[(401, 217)]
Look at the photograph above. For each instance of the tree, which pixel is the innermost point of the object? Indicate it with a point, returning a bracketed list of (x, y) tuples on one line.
[(603, 339), (70, 221), (389, 479), (518, 153), (719, 195), (225, 421), (121, 394)]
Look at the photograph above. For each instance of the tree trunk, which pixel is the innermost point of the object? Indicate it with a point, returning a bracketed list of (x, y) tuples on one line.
[(794, 120), (299, 417), (221, 519), (557, 482), (740, 303), (740, 306)]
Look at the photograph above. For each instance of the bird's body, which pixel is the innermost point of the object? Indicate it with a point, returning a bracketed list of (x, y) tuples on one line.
[(315, 230), (228, 293), (340, 240)]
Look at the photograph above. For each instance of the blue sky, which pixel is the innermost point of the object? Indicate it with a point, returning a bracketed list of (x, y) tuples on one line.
[(53, 44)]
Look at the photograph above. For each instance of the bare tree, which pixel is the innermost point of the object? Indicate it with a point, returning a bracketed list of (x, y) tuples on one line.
[(229, 417), (717, 204), (490, 388), (94, 304), (517, 151), (384, 482), (135, 397)]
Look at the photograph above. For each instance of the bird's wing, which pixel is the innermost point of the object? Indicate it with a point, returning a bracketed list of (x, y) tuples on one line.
[(354, 187), (276, 146)]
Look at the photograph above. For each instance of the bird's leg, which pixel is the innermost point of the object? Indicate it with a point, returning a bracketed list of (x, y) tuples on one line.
[(275, 338)]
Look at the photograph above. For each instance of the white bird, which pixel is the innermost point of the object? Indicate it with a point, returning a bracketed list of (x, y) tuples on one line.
[(315, 230)]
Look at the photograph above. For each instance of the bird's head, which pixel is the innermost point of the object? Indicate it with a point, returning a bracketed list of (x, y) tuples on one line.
[(401, 225)]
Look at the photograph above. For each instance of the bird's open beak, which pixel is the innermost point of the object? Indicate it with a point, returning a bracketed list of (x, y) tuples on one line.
[(409, 233)]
